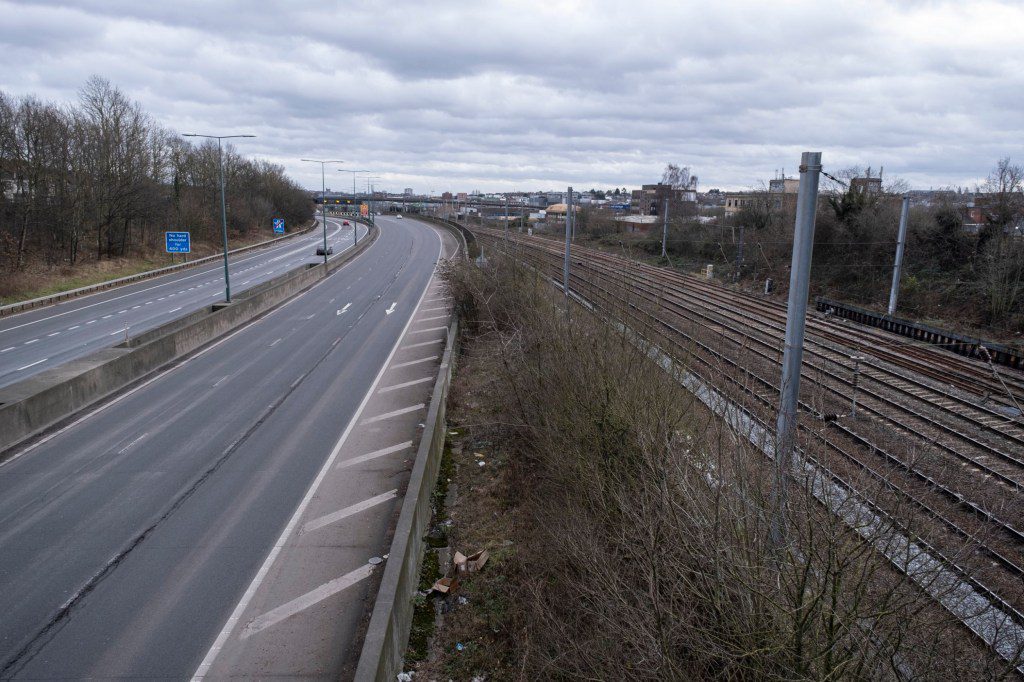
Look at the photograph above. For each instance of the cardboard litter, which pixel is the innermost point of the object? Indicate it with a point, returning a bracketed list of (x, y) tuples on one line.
[(446, 585), (471, 563)]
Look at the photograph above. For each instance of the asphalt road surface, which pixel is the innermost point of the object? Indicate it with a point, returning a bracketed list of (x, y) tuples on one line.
[(39, 339), (127, 538)]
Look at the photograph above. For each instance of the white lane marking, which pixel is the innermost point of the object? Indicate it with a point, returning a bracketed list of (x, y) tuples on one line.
[(277, 341), (120, 312), (91, 322), (218, 382), (435, 300), (375, 454), (334, 517), (161, 298), (429, 319), (310, 317), (405, 384), (32, 364), (53, 334), (174, 310), (394, 413), (415, 362), (391, 309), (106, 316), (125, 448), (243, 603), (75, 327), (29, 343), (246, 281), (424, 331), (433, 310), (203, 270), (136, 306), (341, 311), (7, 349), (289, 609), (149, 303), (119, 331), (423, 343)]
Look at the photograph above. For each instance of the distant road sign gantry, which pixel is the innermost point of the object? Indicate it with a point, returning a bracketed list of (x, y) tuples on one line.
[(178, 242)]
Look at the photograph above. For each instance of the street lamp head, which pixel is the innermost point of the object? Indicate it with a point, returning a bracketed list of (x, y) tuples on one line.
[(215, 137)]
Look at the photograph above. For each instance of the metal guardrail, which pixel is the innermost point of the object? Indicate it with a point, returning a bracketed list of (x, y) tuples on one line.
[(22, 306)]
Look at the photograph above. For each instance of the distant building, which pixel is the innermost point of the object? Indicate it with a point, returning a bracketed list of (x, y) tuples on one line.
[(650, 200), (781, 194), (446, 197), (408, 191), (462, 197), (868, 185)]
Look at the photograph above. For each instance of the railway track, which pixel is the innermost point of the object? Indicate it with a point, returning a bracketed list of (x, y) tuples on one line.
[(969, 481)]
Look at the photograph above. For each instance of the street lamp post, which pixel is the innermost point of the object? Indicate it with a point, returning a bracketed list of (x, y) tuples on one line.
[(223, 203), (323, 197), (355, 225)]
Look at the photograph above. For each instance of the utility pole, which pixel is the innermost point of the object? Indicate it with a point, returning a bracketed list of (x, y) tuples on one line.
[(901, 241), (223, 202), (506, 217), (739, 257), (664, 231), (568, 240), (355, 224), (792, 358), (323, 197)]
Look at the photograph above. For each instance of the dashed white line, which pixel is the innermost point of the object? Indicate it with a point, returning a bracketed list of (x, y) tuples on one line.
[(106, 316), (218, 383), (395, 413), (28, 343), (405, 384), (7, 349), (174, 310), (375, 454), (414, 362), (91, 322), (423, 343), (289, 609), (53, 334), (277, 341), (125, 448), (75, 327), (32, 364), (334, 517)]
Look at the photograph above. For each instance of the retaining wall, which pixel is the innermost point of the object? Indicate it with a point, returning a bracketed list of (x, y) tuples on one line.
[(387, 635)]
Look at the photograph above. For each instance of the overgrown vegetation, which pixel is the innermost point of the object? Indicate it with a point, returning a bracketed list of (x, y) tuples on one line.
[(639, 526), (100, 179), (950, 272)]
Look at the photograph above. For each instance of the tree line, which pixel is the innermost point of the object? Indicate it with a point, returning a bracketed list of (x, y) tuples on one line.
[(101, 179)]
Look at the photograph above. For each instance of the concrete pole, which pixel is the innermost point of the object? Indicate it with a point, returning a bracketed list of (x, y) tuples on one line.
[(506, 216), (664, 231), (793, 353), (901, 241), (568, 241), (323, 206)]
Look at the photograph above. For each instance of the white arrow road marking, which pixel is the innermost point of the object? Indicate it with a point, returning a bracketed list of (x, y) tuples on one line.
[(391, 309), (342, 310)]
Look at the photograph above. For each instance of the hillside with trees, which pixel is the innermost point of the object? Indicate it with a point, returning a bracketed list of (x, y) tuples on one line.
[(101, 179)]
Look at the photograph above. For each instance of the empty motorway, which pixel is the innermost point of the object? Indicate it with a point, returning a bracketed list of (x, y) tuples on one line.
[(129, 537), (36, 340)]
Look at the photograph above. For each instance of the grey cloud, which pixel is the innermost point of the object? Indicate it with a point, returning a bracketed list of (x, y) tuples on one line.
[(499, 95)]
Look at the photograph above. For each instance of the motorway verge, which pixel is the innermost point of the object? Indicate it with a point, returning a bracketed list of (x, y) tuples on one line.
[(39, 402), (42, 301)]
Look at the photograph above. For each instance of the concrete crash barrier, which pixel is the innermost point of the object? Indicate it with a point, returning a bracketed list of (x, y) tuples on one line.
[(467, 239), (387, 635), (961, 344), (37, 403), (22, 306)]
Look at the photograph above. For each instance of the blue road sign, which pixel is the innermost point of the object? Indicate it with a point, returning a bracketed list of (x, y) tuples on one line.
[(178, 242), (278, 225)]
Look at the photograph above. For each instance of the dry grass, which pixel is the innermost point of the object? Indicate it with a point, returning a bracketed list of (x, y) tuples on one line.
[(638, 526)]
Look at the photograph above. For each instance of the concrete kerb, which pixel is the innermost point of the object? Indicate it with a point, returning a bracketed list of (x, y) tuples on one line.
[(21, 306), (387, 635), (39, 402)]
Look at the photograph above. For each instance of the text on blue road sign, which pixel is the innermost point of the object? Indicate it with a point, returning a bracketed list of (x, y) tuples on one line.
[(178, 242)]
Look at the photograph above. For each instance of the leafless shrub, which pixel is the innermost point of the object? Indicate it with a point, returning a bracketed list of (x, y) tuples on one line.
[(645, 533)]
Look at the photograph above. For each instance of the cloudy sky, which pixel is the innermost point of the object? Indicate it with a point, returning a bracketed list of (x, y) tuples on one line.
[(490, 95)]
